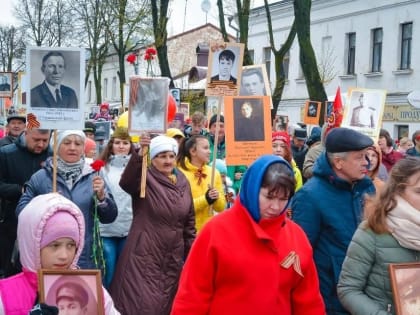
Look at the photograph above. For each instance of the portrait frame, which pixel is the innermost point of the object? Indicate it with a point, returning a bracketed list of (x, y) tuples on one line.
[(184, 108), (244, 152), (261, 71), (280, 123), (176, 93), (148, 105), (403, 276), (103, 126), (50, 280), (178, 122), (215, 87), (212, 105), (312, 112), (72, 83), (375, 104), (9, 80)]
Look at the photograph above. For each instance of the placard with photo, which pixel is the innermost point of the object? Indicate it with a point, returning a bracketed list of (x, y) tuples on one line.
[(225, 68), (148, 104), (248, 128), (56, 87)]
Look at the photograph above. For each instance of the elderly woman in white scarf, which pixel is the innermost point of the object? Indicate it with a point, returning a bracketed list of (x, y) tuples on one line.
[(77, 181)]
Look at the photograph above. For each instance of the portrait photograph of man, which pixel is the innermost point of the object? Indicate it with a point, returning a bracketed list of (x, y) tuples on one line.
[(55, 78), (224, 70), (6, 86), (73, 294)]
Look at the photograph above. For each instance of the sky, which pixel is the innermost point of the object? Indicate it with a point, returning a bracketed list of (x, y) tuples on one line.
[(191, 9)]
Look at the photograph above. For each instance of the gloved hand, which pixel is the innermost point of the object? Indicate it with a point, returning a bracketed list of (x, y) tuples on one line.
[(209, 199), (43, 309)]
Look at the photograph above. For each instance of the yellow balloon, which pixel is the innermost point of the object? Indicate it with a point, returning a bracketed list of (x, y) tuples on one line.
[(123, 122)]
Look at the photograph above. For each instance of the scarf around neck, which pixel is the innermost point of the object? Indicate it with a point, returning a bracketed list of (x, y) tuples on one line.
[(404, 224), (70, 171)]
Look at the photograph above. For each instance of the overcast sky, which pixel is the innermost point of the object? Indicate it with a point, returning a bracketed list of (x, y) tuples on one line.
[(190, 9)]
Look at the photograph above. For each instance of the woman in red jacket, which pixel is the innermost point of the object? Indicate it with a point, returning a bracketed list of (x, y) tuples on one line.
[(252, 259)]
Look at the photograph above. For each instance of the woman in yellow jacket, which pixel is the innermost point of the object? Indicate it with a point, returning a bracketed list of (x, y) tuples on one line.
[(192, 159)]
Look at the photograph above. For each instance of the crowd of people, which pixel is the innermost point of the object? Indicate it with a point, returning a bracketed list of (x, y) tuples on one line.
[(310, 228)]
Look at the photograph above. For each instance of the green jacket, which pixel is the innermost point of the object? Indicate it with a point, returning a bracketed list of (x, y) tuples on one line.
[(364, 287)]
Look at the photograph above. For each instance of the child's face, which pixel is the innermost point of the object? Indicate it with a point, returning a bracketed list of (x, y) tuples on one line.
[(58, 254), (225, 67)]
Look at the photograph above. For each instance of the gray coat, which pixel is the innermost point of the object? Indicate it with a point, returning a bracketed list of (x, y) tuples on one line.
[(364, 286)]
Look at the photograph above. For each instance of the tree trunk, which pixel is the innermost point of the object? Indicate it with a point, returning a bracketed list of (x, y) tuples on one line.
[(307, 57)]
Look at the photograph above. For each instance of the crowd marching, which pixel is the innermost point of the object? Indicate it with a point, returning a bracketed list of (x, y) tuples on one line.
[(308, 229)]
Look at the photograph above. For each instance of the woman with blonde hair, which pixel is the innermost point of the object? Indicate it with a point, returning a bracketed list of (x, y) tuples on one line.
[(391, 234)]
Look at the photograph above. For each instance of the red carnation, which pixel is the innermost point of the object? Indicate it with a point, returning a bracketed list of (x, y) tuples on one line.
[(151, 51), (131, 58), (97, 165)]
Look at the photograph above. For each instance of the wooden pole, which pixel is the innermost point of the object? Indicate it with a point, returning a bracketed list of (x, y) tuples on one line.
[(145, 154), (216, 140), (55, 148)]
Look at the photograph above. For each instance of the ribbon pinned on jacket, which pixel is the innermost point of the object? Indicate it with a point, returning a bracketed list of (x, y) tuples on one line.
[(292, 259)]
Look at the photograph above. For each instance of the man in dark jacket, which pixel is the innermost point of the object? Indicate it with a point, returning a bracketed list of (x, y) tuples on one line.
[(15, 125), (18, 161), (329, 206)]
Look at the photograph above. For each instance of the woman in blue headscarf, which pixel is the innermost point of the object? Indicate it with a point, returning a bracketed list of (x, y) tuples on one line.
[(251, 259)]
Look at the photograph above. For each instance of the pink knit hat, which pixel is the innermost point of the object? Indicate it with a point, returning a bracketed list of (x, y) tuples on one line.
[(60, 224), (89, 145)]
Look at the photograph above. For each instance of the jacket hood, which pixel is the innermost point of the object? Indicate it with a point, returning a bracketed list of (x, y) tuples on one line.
[(31, 224), (252, 180)]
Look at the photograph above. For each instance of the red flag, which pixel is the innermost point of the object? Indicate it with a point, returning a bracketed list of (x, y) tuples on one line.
[(336, 117)]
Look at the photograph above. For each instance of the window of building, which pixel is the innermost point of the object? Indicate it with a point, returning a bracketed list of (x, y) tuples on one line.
[(89, 91), (351, 52), (267, 60), (114, 88), (105, 89), (251, 55), (406, 36), (376, 49)]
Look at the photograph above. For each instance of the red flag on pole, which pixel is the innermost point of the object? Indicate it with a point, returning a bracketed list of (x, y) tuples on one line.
[(336, 117)]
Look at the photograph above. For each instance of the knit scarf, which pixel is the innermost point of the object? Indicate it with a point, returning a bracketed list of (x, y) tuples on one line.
[(70, 172), (404, 224)]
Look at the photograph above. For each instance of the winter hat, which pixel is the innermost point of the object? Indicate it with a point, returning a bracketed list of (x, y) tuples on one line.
[(60, 224), (161, 144), (61, 134), (315, 135), (121, 133), (89, 127), (214, 118), (174, 132), (221, 166), (281, 135), (104, 106), (89, 145)]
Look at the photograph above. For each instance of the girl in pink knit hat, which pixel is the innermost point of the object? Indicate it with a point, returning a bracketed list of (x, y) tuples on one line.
[(50, 234)]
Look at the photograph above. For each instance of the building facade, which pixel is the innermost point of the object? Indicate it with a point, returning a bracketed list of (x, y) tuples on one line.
[(358, 44)]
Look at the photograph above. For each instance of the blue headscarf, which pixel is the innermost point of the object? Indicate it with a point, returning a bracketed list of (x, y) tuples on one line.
[(251, 183)]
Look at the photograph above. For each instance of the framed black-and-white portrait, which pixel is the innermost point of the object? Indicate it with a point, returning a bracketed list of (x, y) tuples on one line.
[(56, 86), (78, 290), (224, 70), (148, 104), (6, 84)]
